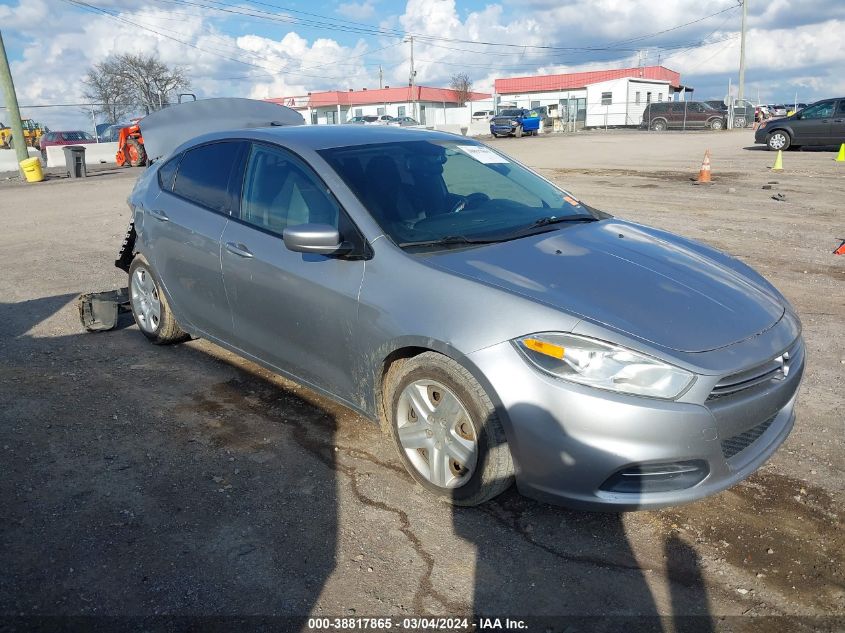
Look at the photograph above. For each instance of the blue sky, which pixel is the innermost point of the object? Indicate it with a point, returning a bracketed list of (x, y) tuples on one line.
[(272, 48)]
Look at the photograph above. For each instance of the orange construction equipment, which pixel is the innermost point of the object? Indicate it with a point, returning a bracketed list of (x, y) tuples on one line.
[(130, 147), (704, 172)]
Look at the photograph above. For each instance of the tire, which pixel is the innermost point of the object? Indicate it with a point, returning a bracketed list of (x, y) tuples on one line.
[(470, 427), (659, 125), (716, 124), (739, 122), (518, 132), (135, 152), (144, 293), (779, 139)]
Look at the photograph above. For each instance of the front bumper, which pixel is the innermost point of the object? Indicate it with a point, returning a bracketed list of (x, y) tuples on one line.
[(501, 129), (568, 441)]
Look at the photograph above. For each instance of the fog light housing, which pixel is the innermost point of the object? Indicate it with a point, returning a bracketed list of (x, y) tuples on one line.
[(644, 478)]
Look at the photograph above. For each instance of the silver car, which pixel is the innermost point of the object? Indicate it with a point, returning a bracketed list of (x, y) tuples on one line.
[(498, 328)]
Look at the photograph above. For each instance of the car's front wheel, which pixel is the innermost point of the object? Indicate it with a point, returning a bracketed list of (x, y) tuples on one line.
[(778, 140), (717, 124), (149, 305), (446, 429), (518, 131)]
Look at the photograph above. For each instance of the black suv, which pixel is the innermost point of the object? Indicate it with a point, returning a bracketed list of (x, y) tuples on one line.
[(682, 115), (821, 123)]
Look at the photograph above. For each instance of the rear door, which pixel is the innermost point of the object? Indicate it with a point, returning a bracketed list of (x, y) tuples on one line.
[(182, 229), (812, 126), (295, 311), (837, 128)]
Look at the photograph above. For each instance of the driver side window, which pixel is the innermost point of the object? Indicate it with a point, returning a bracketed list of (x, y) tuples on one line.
[(820, 111)]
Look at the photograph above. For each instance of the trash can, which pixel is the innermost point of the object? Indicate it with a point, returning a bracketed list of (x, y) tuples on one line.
[(32, 169), (75, 161)]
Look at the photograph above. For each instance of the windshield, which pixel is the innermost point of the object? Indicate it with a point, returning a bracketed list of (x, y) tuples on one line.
[(511, 112), (432, 190)]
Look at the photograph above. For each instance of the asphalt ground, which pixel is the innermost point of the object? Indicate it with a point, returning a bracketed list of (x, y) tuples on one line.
[(183, 481)]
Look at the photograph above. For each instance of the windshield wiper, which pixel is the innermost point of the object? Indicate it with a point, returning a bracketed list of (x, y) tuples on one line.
[(449, 239), (559, 220)]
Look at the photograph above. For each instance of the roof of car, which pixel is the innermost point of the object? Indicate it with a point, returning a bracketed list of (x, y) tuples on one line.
[(317, 137)]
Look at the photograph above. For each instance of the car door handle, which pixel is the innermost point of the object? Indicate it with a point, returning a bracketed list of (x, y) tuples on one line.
[(158, 214), (238, 249)]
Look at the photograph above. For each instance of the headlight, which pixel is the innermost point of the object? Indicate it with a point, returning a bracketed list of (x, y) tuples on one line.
[(604, 366), (514, 123)]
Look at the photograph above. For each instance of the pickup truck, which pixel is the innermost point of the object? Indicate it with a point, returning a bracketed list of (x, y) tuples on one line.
[(515, 121)]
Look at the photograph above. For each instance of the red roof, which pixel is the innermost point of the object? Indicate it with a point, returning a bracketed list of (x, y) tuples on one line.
[(377, 95), (542, 83)]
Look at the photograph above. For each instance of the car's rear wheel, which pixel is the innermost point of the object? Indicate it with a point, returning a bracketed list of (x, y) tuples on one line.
[(658, 125), (446, 430), (149, 306), (778, 140)]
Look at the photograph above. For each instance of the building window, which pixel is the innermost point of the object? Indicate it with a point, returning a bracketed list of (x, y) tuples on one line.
[(637, 98), (648, 97), (313, 117), (606, 98), (359, 112), (401, 110), (660, 96), (379, 111), (535, 104), (331, 117)]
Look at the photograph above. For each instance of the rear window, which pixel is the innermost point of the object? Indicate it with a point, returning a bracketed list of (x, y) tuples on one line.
[(205, 174), (167, 172)]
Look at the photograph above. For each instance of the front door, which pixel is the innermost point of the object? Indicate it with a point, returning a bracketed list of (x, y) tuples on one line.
[(812, 126), (298, 312)]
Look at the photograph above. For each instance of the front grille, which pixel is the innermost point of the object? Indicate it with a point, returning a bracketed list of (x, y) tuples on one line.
[(738, 443), (775, 369)]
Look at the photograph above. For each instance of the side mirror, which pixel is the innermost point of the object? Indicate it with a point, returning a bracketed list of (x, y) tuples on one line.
[(319, 239)]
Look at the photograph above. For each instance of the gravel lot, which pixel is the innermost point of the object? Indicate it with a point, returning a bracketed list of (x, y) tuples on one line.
[(145, 481)]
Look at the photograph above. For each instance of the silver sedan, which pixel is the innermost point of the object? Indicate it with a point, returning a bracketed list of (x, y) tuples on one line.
[(497, 327)]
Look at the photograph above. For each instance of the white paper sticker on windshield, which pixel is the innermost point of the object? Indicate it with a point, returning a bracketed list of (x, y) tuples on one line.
[(482, 154)]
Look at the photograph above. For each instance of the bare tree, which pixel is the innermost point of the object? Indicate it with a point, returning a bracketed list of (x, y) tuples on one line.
[(129, 82), (461, 84)]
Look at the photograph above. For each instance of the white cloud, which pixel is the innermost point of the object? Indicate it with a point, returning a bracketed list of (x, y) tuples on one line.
[(51, 61), (357, 10)]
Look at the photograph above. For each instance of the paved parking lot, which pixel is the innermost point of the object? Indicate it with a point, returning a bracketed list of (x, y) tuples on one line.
[(139, 480)]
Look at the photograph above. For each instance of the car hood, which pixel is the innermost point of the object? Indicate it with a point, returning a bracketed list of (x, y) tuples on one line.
[(629, 278)]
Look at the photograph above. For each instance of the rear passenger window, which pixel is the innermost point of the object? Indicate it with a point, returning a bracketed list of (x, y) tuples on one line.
[(840, 111), (166, 173), (206, 173)]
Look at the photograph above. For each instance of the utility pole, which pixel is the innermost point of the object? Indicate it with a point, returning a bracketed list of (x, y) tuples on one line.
[(12, 104), (380, 78), (741, 90), (412, 79)]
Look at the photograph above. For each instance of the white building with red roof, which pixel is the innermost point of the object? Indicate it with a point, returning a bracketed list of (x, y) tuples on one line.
[(602, 98), (430, 106)]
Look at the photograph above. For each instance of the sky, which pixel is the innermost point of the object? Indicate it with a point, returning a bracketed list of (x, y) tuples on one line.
[(276, 48)]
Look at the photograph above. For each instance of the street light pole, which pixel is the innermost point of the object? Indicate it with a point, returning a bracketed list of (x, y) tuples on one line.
[(12, 104), (741, 90)]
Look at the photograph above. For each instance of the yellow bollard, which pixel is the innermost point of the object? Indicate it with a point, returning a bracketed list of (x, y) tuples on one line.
[(778, 166), (841, 157), (32, 169)]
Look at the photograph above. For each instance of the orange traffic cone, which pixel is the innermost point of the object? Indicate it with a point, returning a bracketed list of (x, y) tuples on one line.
[(704, 172), (840, 250)]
